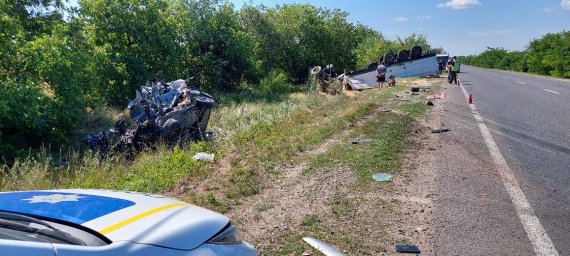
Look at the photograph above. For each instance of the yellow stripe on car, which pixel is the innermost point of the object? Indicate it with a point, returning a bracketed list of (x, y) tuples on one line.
[(128, 221)]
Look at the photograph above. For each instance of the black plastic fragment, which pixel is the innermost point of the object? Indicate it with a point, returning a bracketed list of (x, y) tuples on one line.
[(439, 130), (405, 248)]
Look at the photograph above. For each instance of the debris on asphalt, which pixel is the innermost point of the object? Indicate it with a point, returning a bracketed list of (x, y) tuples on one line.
[(405, 248), (429, 103), (203, 157), (439, 130), (382, 177)]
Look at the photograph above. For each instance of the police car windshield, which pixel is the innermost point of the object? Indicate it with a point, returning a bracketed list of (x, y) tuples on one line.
[(21, 227), (19, 217)]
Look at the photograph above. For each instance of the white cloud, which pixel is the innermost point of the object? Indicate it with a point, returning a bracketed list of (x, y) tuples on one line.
[(424, 17), (565, 4), (491, 33), (549, 9), (461, 4), (400, 19)]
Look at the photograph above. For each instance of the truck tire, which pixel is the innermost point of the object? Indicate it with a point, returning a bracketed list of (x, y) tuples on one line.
[(403, 55), (389, 58), (416, 52)]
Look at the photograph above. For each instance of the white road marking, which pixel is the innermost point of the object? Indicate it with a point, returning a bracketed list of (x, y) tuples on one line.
[(551, 91), (513, 138), (537, 235), (521, 141), (505, 78), (520, 82)]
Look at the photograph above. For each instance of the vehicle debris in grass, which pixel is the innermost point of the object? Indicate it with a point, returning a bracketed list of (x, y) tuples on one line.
[(203, 157), (439, 95), (382, 177), (405, 248), (362, 141), (174, 112), (322, 247)]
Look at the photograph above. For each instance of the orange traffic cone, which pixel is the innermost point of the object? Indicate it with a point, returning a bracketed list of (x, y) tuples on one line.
[(470, 100)]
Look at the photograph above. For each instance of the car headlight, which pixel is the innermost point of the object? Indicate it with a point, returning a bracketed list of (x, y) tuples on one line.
[(228, 235)]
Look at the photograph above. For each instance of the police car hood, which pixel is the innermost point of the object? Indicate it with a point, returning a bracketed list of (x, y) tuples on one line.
[(123, 216)]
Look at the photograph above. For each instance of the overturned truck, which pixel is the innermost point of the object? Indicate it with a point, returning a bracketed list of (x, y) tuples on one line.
[(171, 112), (409, 63)]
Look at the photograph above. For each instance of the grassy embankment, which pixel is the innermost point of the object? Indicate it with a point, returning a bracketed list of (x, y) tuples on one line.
[(252, 139)]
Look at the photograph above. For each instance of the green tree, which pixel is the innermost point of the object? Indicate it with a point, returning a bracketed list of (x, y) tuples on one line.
[(550, 55), (140, 39)]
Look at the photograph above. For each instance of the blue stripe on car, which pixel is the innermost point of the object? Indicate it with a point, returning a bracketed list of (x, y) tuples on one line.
[(71, 207)]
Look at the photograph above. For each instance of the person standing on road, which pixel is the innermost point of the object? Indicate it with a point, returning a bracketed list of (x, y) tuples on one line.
[(448, 69), (454, 69), (381, 76)]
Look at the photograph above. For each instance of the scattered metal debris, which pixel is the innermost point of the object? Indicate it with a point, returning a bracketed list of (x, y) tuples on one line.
[(382, 177), (173, 112), (322, 247), (405, 248), (326, 79)]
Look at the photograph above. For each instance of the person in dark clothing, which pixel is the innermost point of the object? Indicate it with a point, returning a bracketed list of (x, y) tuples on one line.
[(448, 68), (454, 70), (440, 66), (381, 76)]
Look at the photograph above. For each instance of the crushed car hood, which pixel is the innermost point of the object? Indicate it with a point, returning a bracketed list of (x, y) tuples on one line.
[(122, 216)]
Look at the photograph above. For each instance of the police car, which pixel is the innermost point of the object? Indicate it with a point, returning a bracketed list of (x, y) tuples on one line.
[(112, 223)]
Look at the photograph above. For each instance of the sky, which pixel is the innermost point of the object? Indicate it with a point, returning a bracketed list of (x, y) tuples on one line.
[(460, 27)]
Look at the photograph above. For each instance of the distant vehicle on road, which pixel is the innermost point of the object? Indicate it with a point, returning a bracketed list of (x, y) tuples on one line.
[(100, 222)]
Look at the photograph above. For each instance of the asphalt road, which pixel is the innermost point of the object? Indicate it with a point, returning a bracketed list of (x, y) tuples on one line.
[(528, 118)]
